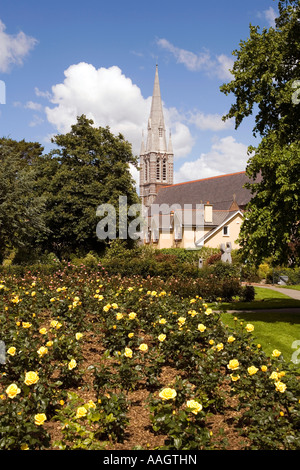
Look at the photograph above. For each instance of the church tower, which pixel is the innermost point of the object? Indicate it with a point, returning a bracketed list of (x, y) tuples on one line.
[(156, 157)]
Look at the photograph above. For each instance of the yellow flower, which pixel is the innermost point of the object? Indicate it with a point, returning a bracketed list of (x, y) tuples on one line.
[(40, 418), (153, 293), (91, 404), (143, 347), (53, 323), (31, 378), (233, 364), (220, 346), (162, 321), (201, 327), (26, 324), (24, 447), (192, 301), (193, 313), (12, 390), (106, 307), (42, 351), (234, 378), (231, 339), (49, 344), (114, 306), (249, 327), (119, 316), (43, 331), (130, 335), (132, 315), (168, 393), (252, 370), (264, 368), (128, 352), (208, 311), (211, 342), (196, 407), (280, 387), (276, 353), (181, 321), (11, 351), (130, 289), (33, 294), (274, 376), (52, 299), (72, 364), (161, 337), (78, 336)]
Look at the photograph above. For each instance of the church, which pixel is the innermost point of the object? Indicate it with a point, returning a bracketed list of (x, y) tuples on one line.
[(204, 212)]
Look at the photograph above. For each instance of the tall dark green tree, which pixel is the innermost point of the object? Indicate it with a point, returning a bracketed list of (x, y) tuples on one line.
[(266, 83), (22, 210), (90, 167)]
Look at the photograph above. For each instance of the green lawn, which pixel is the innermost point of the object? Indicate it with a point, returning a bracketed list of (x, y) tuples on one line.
[(273, 330), (295, 287), (264, 298)]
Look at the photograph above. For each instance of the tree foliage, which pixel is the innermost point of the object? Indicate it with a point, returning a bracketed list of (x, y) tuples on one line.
[(90, 167), (21, 208), (266, 72)]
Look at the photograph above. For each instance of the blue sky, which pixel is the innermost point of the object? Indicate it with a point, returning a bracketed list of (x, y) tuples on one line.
[(60, 59)]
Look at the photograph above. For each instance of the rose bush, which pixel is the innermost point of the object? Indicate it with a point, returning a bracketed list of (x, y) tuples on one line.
[(144, 327)]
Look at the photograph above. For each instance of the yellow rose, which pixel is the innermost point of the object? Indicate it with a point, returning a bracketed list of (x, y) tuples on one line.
[(81, 412), (132, 315), (168, 393), (181, 320), (161, 337), (162, 321), (219, 346), (43, 331), (130, 335), (264, 368), (26, 324), (78, 336), (201, 327), (40, 418), (128, 352), (280, 386), (12, 390), (72, 364), (231, 339), (208, 311), (249, 327), (143, 347), (252, 370), (196, 407), (11, 351), (119, 316), (233, 364), (276, 353), (234, 378), (91, 404), (42, 351), (53, 323), (49, 344), (31, 378)]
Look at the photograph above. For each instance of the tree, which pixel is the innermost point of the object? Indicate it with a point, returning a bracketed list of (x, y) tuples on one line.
[(21, 209), (266, 73), (90, 167)]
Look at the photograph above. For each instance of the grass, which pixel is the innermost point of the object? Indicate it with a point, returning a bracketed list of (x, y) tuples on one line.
[(264, 298), (295, 287), (273, 329)]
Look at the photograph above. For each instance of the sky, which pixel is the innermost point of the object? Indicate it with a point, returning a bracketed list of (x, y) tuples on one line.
[(61, 59)]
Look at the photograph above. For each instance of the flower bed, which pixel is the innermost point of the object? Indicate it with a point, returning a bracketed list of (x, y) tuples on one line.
[(99, 362)]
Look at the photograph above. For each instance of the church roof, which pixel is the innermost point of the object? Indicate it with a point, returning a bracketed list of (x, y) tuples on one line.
[(220, 191)]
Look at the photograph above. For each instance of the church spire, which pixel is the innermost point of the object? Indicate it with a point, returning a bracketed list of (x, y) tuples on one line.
[(156, 141)]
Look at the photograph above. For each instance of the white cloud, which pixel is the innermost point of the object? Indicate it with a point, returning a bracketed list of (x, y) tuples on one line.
[(206, 122), (109, 98), (218, 66), (33, 105), (270, 16), (226, 156), (13, 48)]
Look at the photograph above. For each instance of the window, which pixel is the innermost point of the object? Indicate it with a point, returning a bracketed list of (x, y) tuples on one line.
[(164, 169), (158, 169), (225, 231), (160, 132), (146, 170)]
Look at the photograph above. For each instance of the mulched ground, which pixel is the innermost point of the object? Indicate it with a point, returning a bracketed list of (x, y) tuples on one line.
[(139, 432)]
